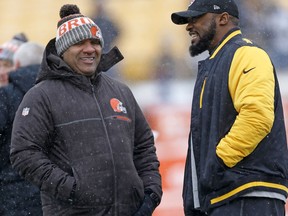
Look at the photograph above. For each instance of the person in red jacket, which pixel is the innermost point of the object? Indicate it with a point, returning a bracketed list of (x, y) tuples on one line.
[(237, 161), (79, 135)]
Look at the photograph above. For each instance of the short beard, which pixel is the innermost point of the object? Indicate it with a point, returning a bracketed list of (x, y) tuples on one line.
[(204, 42)]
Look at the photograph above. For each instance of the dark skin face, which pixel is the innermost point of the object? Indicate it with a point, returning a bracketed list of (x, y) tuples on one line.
[(201, 37), (84, 56), (207, 31)]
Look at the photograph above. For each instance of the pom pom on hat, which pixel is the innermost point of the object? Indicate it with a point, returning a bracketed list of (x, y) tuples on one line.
[(74, 27), (67, 10), (8, 49)]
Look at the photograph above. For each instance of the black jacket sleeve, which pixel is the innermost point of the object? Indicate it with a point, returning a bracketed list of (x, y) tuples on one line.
[(32, 129), (145, 158)]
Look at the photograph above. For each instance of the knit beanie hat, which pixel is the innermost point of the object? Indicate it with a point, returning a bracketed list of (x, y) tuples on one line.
[(8, 49), (74, 27)]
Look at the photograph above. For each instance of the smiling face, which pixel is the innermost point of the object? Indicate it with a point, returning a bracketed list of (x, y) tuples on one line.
[(202, 30), (84, 57)]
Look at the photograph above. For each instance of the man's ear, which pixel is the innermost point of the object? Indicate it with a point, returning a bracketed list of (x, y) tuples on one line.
[(224, 18), (17, 65)]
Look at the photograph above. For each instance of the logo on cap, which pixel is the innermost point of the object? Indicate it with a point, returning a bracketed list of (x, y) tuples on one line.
[(71, 24), (93, 31)]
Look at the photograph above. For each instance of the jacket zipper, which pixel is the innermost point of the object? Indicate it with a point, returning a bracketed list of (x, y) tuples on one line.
[(110, 148)]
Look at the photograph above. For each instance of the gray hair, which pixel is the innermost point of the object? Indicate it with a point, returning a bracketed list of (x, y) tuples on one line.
[(29, 53)]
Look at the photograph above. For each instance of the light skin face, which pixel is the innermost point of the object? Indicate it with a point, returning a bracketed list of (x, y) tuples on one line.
[(84, 57), (206, 31), (5, 68)]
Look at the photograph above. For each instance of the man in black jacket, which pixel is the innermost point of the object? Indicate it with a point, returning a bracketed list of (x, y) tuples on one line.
[(237, 161), (80, 135), (17, 196)]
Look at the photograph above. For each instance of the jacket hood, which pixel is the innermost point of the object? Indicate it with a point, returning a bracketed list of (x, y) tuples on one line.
[(53, 66), (24, 77)]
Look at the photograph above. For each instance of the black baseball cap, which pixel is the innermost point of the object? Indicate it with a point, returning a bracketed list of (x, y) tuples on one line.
[(200, 7)]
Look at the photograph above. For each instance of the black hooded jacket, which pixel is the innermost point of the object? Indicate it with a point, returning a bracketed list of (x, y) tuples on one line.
[(17, 197), (84, 141)]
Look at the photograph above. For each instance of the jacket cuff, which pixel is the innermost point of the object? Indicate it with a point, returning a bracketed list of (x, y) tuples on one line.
[(154, 197)]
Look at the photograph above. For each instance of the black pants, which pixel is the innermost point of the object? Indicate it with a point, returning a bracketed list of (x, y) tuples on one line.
[(251, 206)]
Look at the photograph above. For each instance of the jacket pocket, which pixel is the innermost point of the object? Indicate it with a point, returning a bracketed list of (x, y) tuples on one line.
[(94, 186), (138, 197), (212, 174)]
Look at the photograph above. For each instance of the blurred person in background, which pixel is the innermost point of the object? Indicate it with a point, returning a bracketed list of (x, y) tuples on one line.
[(79, 135), (164, 73), (17, 196), (109, 28), (237, 161), (266, 22), (7, 51)]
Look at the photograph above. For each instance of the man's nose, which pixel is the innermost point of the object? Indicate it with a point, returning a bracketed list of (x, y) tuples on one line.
[(89, 47), (189, 26)]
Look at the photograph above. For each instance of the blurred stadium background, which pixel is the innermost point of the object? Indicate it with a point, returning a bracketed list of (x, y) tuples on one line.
[(157, 65)]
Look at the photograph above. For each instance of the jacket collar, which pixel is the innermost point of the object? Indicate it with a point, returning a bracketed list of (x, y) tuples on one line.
[(232, 33)]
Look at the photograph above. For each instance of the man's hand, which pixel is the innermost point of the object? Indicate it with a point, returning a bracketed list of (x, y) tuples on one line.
[(147, 207)]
